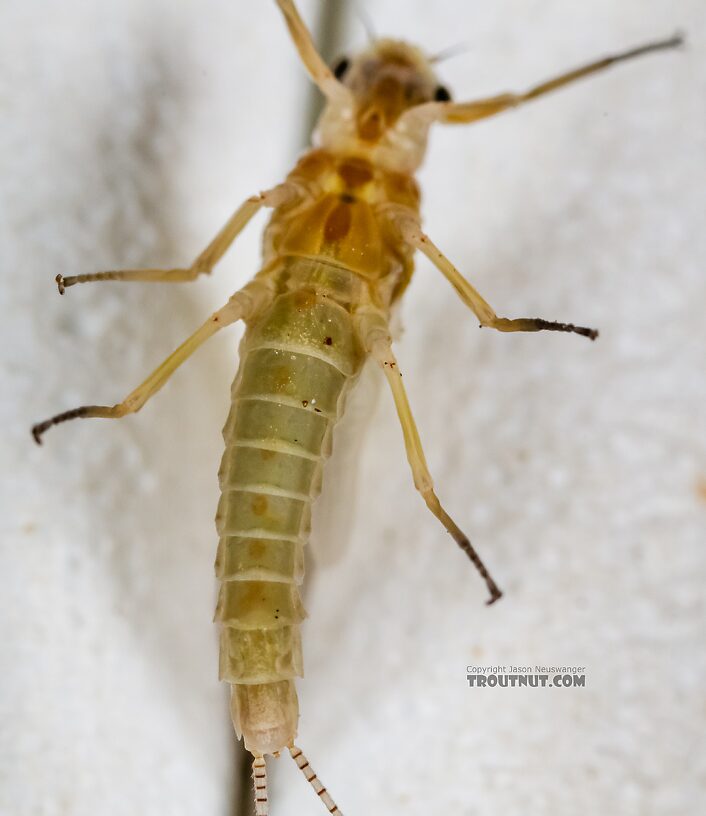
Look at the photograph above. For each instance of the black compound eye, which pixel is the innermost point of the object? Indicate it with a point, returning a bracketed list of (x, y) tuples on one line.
[(441, 94), (340, 67)]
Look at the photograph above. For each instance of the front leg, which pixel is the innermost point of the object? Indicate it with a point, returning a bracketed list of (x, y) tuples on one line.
[(412, 234), (314, 63), (204, 263), (461, 113)]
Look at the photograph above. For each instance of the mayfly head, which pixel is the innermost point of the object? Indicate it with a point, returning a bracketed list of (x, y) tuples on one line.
[(384, 82), (387, 79)]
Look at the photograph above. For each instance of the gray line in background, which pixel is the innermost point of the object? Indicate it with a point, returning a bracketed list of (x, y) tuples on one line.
[(329, 32), (330, 37), (243, 803)]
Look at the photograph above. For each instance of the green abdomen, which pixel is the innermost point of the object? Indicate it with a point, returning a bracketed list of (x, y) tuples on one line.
[(296, 362)]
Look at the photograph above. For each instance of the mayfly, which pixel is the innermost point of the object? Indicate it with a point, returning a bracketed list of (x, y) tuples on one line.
[(338, 255)]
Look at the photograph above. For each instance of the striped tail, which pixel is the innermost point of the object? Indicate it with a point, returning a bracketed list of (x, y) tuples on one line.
[(304, 766)]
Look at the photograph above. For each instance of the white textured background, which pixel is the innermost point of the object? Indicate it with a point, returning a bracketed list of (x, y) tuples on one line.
[(128, 133)]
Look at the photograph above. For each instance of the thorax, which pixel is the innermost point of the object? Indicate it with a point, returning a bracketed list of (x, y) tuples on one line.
[(341, 221)]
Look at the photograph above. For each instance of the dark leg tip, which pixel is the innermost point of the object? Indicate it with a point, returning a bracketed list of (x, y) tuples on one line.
[(60, 283), (553, 325), (495, 595), (37, 431), (678, 40)]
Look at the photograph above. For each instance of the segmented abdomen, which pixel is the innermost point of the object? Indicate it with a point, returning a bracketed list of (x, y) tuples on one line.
[(296, 361)]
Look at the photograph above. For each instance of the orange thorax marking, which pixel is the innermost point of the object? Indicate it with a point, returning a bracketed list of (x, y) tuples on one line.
[(355, 172), (339, 221), (342, 223), (339, 227)]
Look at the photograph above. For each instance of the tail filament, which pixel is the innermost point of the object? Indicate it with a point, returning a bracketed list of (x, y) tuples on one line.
[(313, 780), (259, 776)]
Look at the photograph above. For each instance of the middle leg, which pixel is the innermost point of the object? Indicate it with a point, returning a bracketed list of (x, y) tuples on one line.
[(413, 235), (205, 262)]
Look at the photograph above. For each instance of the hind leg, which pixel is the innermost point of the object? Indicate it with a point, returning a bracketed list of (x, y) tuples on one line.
[(376, 339), (241, 306)]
